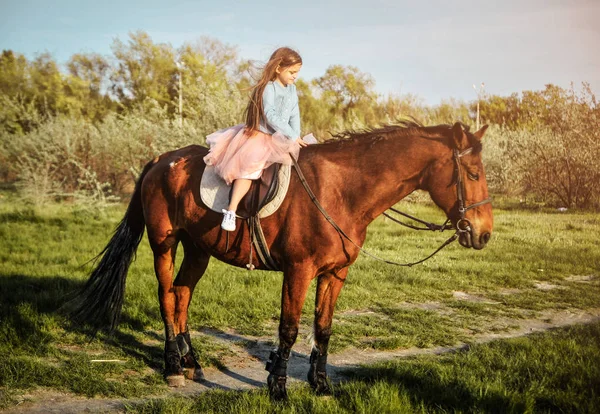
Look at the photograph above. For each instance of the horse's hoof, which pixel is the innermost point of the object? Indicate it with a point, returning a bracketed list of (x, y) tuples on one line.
[(323, 388), (319, 382), (176, 381), (194, 374), (277, 388)]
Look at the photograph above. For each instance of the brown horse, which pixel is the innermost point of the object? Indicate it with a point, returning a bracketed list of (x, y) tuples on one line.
[(355, 178)]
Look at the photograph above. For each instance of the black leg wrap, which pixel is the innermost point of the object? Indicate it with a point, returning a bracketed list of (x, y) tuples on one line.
[(182, 344), (317, 374), (277, 364), (172, 359), (277, 367), (189, 359)]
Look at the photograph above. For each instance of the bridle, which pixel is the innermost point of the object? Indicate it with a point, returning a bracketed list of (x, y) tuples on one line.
[(463, 225)]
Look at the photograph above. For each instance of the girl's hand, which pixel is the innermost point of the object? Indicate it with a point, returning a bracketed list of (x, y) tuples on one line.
[(300, 142)]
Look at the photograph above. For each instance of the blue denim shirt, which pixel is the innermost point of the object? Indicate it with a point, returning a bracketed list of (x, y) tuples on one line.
[(280, 105)]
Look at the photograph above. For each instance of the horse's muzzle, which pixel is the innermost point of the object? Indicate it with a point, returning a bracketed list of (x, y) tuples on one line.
[(477, 242)]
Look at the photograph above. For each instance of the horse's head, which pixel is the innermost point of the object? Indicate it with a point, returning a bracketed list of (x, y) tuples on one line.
[(457, 184)]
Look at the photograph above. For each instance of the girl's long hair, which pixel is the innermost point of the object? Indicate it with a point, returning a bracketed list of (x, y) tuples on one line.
[(283, 57)]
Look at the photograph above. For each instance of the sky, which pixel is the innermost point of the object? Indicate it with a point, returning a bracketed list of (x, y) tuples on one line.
[(436, 50)]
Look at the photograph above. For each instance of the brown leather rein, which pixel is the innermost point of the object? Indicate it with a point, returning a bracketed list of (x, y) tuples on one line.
[(463, 225)]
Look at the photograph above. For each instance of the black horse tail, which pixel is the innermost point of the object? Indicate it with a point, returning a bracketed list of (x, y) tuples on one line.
[(100, 301)]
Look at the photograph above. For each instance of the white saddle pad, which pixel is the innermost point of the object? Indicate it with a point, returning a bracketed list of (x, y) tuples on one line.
[(214, 192)]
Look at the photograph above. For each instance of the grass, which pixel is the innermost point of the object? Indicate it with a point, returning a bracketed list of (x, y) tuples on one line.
[(44, 255), (520, 375)]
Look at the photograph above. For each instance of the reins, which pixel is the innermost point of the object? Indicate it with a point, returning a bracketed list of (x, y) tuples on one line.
[(428, 226), (462, 226)]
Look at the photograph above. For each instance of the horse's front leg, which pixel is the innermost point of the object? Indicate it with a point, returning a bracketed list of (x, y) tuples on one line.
[(328, 288), (295, 286)]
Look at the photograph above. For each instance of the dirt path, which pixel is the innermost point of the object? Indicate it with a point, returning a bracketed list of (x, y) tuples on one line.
[(245, 369)]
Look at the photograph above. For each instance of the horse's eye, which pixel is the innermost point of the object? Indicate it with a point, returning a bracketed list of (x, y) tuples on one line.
[(473, 176)]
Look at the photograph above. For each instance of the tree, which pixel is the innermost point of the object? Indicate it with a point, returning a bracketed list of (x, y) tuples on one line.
[(505, 111), (144, 70), (30, 92), (13, 74), (349, 96), (210, 92), (448, 112), (315, 114), (393, 108), (47, 86), (17, 112), (88, 82)]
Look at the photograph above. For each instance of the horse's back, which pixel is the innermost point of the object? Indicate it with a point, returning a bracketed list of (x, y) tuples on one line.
[(173, 180), (172, 167)]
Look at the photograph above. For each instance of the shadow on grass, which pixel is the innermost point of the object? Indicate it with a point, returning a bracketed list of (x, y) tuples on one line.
[(26, 306), (29, 307), (424, 388), (30, 318)]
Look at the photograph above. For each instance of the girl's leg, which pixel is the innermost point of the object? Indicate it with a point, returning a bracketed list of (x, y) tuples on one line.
[(240, 188)]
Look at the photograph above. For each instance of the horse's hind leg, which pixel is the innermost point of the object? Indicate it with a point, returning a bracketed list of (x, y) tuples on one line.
[(194, 264), (164, 249), (329, 286)]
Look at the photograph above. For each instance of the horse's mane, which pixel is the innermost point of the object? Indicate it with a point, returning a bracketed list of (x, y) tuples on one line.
[(400, 127), (406, 127)]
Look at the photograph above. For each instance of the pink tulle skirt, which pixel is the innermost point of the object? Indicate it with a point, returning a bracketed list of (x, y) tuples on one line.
[(235, 154)]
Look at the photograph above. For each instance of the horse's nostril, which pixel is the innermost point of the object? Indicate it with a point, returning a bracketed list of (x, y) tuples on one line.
[(485, 237)]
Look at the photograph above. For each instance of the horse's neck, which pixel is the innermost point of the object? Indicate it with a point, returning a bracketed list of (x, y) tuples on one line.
[(383, 172)]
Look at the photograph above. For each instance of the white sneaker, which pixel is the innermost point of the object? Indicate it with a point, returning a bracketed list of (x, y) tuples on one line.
[(228, 223)]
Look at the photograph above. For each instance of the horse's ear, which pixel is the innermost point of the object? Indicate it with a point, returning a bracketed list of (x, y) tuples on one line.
[(479, 134), (460, 138)]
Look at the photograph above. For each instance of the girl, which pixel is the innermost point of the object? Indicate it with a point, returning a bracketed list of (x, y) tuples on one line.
[(271, 132)]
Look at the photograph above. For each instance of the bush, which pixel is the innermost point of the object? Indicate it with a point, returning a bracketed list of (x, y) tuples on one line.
[(562, 169), (72, 159), (561, 162), (501, 161)]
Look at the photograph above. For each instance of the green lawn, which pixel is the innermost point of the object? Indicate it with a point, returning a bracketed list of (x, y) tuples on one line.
[(44, 257)]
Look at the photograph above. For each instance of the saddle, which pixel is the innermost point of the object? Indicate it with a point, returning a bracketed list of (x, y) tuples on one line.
[(263, 199)]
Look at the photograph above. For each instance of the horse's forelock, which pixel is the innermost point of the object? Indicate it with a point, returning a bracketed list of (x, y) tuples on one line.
[(475, 143)]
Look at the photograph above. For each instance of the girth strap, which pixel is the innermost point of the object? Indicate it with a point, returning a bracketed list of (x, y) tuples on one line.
[(262, 248)]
